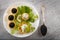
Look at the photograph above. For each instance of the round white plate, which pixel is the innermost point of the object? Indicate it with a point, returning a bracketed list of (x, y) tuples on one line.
[(6, 14)]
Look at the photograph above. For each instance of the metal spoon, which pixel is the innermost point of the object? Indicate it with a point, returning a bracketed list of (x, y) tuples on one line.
[(43, 26)]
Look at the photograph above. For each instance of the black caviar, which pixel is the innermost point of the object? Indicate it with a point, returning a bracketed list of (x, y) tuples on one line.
[(11, 25), (43, 30), (11, 17), (14, 10)]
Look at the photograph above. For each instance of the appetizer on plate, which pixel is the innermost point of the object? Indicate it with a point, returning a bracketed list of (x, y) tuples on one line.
[(21, 19)]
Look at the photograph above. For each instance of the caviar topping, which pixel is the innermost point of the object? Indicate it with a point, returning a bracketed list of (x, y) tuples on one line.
[(11, 17), (11, 25), (14, 10)]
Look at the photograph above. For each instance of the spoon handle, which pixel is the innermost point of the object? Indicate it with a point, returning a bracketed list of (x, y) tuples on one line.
[(43, 11)]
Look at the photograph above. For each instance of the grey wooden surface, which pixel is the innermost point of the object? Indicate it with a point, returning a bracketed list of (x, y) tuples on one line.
[(52, 16)]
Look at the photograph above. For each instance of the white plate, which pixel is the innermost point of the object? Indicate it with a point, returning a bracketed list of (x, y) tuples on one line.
[(6, 14)]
